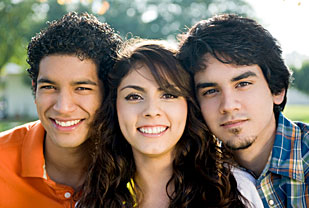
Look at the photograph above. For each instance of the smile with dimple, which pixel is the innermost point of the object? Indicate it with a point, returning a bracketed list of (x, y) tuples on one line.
[(153, 130)]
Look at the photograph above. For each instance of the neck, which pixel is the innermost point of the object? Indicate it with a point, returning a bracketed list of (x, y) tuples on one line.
[(152, 177), (65, 166), (256, 156)]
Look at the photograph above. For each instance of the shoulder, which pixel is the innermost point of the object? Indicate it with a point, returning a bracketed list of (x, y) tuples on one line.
[(292, 134), (304, 136), (12, 143), (304, 129), (17, 134), (290, 128), (246, 186)]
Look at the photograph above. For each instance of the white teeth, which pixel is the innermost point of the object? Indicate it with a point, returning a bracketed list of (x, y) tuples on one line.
[(67, 123), (153, 130)]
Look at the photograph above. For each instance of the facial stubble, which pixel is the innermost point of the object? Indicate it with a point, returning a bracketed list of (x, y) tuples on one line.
[(241, 143)]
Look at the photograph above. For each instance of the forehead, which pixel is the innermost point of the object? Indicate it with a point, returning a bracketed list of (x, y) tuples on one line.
[(215, 71), (67, 67), (139, 74), (156, 73)]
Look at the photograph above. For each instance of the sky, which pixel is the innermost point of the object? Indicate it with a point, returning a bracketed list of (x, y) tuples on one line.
[(287, 21)]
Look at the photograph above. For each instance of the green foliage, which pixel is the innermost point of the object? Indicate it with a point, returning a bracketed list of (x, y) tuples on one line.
[(14, 25), (166, 18), (22, 19), (19, 21), (301, 78)]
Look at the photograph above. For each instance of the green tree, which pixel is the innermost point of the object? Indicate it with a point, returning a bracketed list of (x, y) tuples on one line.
[(22, 19), (164, 19), (301, 77), (15, 19)]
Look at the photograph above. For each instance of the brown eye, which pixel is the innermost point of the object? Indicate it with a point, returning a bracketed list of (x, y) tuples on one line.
[(243, 84), (47, 87), (169, 96), (209, 92), (83, 88), (133, 97)]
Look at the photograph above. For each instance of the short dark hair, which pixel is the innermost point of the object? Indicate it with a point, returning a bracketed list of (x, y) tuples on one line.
[(232, 39), (80, 35)]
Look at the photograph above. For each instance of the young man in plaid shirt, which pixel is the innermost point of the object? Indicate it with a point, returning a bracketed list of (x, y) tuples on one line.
[(241, 83)]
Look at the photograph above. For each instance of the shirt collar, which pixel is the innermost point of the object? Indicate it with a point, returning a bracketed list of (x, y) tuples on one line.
[(32, 156), (286, 156)]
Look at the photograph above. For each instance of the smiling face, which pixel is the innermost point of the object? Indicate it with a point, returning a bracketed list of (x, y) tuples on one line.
[(236, 103), (151, 120), (67, 96)]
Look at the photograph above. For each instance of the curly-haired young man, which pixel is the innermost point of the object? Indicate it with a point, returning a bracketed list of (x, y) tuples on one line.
[(44, 163), (241, 83)]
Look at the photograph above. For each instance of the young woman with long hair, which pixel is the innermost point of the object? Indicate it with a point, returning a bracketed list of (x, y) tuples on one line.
[(151, 147)]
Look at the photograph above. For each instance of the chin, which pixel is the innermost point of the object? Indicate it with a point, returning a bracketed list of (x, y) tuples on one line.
[(241, 146)]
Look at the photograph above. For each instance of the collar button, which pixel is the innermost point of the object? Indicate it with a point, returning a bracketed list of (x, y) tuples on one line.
[(67, 195), (271, 202)]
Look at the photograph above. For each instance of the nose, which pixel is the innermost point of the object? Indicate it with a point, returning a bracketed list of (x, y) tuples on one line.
[(229, 102), (152, 109), (64, 103)]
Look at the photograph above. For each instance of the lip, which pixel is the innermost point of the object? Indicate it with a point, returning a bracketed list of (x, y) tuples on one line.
[(233, 123), (66, 124), (152, 130)]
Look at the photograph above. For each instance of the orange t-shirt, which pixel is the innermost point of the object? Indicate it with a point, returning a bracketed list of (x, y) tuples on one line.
[(23, 178)]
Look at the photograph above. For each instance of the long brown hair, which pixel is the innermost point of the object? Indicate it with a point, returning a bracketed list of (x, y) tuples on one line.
[(198, 177)]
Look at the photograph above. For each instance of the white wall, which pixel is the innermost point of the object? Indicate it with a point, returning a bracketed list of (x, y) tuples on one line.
[(20, 101)]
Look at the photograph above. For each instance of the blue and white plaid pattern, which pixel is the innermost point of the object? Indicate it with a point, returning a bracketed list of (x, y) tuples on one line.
[(284, 181)]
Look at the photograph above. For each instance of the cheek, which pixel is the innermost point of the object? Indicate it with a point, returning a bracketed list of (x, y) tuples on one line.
[(263, 101), (120, 114), (125, 116), (44, 102), (179, 113), (93, 101), (98, 98), (262, 108), (208, 109), (90, 103)]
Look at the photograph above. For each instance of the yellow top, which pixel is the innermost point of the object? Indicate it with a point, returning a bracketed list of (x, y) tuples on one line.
[(130, 187)]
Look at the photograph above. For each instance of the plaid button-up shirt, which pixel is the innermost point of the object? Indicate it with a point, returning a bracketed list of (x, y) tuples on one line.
[(284, 181)]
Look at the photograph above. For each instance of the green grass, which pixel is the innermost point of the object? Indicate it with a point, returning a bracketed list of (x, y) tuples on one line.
[(297, 112)]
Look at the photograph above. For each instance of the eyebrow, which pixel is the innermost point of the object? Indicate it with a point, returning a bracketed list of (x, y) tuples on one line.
[(44, 80), (84, 82), (234, 79), (205, 84), (243, 76), (133, 87)]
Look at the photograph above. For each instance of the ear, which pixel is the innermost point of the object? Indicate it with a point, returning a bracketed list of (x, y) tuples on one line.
[(278, 98)]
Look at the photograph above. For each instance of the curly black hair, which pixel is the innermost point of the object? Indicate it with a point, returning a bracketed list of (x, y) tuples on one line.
[(232, 39), (80, 35)]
